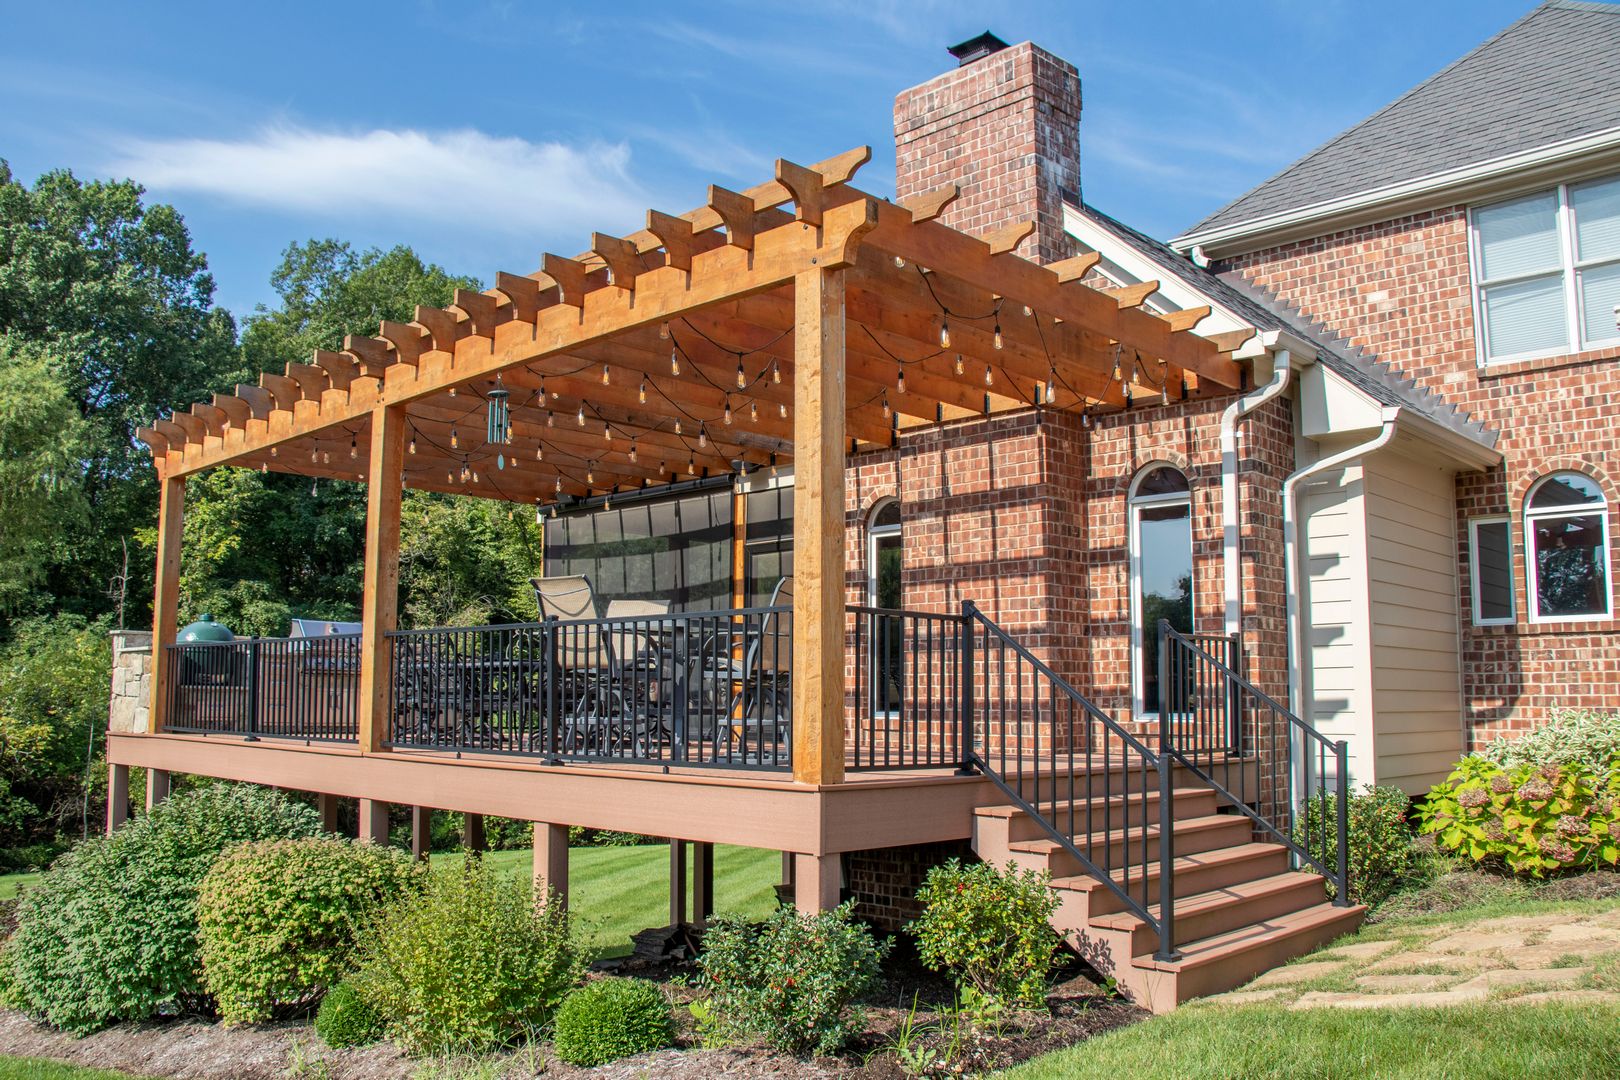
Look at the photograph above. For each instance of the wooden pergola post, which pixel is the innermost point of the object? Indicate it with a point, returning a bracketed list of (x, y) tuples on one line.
[(380, 606), (818, 527), (166, 591)]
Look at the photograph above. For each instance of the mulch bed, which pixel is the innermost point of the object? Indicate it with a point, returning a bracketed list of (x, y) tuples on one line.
[(193, 1049)]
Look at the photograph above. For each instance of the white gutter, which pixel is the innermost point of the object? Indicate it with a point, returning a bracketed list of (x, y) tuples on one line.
[(1231, 528), (1292, 586)]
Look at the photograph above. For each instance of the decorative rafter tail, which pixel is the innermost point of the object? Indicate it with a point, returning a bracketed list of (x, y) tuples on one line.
[(736, 212), (930, 204), (1076, 268), (407, 341), (805, 185), (522, 293), (1004, 240), (1187, 318), (1129, 296), (443, 327), (675, 235), (622, 258), (570, 276), (483, 312)]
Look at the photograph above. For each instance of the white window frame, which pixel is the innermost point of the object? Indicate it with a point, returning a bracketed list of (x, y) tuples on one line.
[(1601, 509), (1135, 504), (874, 534), (1570, 270), (1512, 616)]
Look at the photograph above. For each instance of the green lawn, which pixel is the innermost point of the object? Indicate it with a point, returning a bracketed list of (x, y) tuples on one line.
[(10, 883), (37, 1069)]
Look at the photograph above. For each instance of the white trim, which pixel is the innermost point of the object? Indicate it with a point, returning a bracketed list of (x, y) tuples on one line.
[(1520, 171), (1133, 504), (1598, 507), (1568, 271), (1473, 570)]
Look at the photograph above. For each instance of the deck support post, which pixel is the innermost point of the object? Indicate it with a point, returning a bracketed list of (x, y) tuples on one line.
[(551, 861), (817, 882), (379, 613), (327, 806), (117, 796), (677, 882), (165, 592), (702, 882), (818, 527), (472, 832), (158, 786), (421, 831), (373, 822)]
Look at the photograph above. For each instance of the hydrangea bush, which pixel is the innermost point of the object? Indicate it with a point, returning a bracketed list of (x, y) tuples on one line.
[(1534, 819)]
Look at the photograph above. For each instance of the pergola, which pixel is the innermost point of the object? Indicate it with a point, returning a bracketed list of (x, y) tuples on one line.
[(739, 334)]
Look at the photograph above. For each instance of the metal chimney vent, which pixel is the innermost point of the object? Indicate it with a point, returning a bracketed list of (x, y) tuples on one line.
[(976, 48)]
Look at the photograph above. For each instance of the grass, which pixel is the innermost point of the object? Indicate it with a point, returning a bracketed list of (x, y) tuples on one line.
[(14, 1068), (1480, 1042), (10, 884)]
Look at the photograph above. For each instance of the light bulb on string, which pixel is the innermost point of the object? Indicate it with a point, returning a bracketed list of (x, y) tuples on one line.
[(326, 457), (264, 467), (691, 466), (674, 361), (703, 435), (539, 453), (579, 416), (995, 338), (641, 394), (410, 447), (989, 376), (944, 332), (677, 425), (607, 379), (274, 451), (314, 455), (452, 391), (551, 418), (727, 414), (632, 451), (354, 449), (753, 412), (742, 376), (776, 371), (557, 487), (900, 381), (781, 409), (887, 412), (607, 433), (663, 331), (959, 363)]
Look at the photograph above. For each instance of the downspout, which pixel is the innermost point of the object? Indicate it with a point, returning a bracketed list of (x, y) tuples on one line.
[(1231, 531), (1291, 583)]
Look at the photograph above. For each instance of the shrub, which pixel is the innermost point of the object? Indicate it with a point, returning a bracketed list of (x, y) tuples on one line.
[(989, 929), (1535, 820), (345, 1018), (469, 963), (278, 919), (110, 931), (611, 1019), (1382, 857), (791, 980), (1582, 737)]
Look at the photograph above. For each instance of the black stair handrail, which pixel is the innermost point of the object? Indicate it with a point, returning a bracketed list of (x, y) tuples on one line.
[(991, 703), (1191, 708)]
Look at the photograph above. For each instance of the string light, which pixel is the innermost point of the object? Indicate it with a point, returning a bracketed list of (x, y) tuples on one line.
[(1028, 311), (781, 409), (607, 379), (264, 467), (551, 419), (727, 414), (452, 391), (326, 457), (663, 331), (273, 451), (899, 263), (539, 453), (691, 466), (663, 468), (410, 447), (887, 412), (557, 487), (776, 371), (354, 447), (753, 412), (959, 363), (641, 394), (607, 432), (579, 417), (900, 383), (703, 435), (314, 455), (674, 361), (944, 332), (590, 474), (677, 425), (455, 440), (1164, 393), (632, 451), (989, 376), (1085, 418), (542, 388), (742, 376), (996, 337)]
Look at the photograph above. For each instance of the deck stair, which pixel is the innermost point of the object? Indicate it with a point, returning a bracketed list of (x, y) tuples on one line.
[(1240, 909)]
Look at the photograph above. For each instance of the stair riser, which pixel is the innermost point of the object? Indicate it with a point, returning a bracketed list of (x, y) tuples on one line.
[(1117, 816), (1189, 881), (1235, 971), (1062, 864), (1218, 920)]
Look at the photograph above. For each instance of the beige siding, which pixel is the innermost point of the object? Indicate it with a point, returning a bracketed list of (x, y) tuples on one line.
[(1412, 595), (1335, 613)]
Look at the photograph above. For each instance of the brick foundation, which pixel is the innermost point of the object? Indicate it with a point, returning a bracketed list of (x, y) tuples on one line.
[(884, 881)]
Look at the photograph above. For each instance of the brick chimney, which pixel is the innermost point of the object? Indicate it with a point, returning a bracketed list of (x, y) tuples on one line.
[(1005, 126)]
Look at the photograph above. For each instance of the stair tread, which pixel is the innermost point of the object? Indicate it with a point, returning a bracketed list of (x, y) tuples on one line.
[(1218, 947), (1009, 810), (1198, 903), (1133, 832), (1218, 856)]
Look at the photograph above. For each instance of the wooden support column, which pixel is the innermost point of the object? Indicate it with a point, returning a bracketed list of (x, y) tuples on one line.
[(421, 831), (702, 882), (472, 832), (818, 527), (817, 881), (117, 796), (551, 861), (166, 591), (677, 882), (374, 822), (327, 805), (158, 786), (380, 606)]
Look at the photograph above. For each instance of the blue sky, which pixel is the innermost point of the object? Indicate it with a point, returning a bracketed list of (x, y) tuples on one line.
[(484, 132)]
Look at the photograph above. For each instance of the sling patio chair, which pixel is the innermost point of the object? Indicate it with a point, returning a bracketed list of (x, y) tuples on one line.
[(604, 707)]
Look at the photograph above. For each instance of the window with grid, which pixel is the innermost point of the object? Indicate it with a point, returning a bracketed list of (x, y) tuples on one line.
[(1546, 270)]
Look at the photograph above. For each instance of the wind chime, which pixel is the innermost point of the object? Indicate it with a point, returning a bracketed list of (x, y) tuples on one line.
[(499, 430)]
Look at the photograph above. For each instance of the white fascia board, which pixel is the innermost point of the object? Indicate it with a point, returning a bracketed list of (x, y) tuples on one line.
[(1559, 162)]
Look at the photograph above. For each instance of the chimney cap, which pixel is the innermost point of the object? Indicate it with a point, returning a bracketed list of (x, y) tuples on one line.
[(976, 48)]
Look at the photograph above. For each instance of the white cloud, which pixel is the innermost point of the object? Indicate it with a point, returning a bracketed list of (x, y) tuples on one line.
[(462, 177)]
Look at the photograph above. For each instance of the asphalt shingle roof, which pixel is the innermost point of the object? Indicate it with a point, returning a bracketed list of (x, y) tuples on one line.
[(1263, 311), (1552, 76)]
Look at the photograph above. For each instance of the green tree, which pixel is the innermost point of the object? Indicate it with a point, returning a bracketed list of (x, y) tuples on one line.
[(109, 288), (43, 436)]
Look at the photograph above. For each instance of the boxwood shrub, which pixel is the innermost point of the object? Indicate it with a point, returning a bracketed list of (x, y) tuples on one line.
[(346, 1018), (610, 1019), (988, 928), (110, 931), (278, 919), (1382, 857)]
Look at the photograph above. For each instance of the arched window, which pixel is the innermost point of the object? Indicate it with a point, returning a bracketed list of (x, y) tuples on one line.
[(1566, 530), (1161, 572), (883, 576)]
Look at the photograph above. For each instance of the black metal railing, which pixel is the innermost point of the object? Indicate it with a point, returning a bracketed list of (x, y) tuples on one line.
[(1270, 764), (905, 688), (294, 688), (1081, 777), (702, 688)]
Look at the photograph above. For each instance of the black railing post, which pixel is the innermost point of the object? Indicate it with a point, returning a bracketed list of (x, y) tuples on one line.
[(965, 705), (550, 691), (1341, 895), (253, 686), (1167, 843)]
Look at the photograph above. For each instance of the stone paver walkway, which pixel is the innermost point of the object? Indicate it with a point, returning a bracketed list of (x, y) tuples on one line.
[(1528, 958)]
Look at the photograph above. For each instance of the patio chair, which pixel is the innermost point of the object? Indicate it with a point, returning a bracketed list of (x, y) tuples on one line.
[(761, 708), (431, 698), (602, 710)]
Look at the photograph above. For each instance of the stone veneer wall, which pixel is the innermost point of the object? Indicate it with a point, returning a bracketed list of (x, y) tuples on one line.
[(131, 681)]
